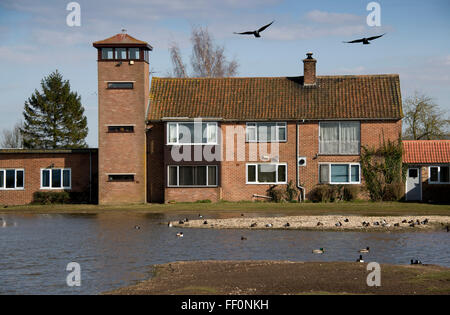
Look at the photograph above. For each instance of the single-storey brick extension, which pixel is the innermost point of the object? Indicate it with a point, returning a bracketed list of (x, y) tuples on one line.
[(190, 139)]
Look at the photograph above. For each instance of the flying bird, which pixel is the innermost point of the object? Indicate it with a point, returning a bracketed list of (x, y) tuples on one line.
[(365, 41), (256, 33)]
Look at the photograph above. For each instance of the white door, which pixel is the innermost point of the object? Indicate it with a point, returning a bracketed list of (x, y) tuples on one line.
[(413, 184)]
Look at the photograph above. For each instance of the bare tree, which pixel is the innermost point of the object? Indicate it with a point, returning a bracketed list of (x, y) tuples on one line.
[(12, 139), (424, 120), (208, 60)]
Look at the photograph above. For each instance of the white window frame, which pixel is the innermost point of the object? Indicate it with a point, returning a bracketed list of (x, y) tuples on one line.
[(15, 178), (256, 182), (439, 175), (255, 126), (192, 186), (208, 132), (62, 179), (350, 182), (340, 122)]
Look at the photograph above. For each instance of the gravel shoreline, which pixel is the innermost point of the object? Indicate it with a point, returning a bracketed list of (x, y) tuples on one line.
[(323, 222)]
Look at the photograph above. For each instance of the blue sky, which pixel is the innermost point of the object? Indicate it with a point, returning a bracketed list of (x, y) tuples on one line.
[(35, 40)]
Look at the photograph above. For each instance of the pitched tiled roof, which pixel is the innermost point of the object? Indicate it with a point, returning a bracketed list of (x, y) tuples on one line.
[(426, 151), (277, 98), (121, 39)]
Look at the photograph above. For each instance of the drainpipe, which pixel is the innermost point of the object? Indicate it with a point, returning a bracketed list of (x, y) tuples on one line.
[(302, 189)]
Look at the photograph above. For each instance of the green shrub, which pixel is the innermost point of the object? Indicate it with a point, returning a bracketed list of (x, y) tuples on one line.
[(321, 193), (394, 192), (351, 192), (291, 192), (277, 194), (46, 198)]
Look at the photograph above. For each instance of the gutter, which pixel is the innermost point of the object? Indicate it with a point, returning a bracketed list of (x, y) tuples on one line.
[(302, 189)]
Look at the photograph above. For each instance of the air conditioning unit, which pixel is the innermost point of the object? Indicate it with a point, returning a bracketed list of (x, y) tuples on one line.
[(301, 161)]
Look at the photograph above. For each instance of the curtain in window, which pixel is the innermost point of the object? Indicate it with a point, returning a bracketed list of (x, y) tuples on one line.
[(66, 178), (173, 175), (324, 173), (329, 138), (349, 136), (267, 173), (339, 173), (281, 173)]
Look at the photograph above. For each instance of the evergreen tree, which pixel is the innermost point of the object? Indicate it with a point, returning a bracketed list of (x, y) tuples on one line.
[(55, 118)]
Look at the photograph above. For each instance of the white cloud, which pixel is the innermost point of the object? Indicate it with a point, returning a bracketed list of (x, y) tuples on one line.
[(334, 18)]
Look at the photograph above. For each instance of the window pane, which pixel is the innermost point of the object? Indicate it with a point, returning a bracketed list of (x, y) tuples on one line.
[(355, 173), (66, 178), (349, 138), (339, 173), (212, 175), (107, 53), (282, 133), (134, 53), (19, 179), (10, 178), (251, 173), (173, 174), (324, 173), (266, 132), (186, 175), (251, 133), (267, 173), (56, 178), (2, 178), (45, 178), (434, 172), (329, 138), (281, 173), (172, 133), (444, 174), (121, 53), (212, 133), (199, 175), (186, 133), (120, 85)]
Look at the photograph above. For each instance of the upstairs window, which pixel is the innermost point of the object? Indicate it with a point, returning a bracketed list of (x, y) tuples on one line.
[(266, 132), (121, 53), (192, 133), (339, 137), (120, 129), (120, 85), (439, 175), (12, 179), (56, 178), (134, 53)]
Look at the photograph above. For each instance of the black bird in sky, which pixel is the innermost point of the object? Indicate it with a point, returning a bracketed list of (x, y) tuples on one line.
[(256, 33), (365, 41)]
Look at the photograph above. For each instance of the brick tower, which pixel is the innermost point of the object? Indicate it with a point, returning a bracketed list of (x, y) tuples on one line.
[(123, 90)]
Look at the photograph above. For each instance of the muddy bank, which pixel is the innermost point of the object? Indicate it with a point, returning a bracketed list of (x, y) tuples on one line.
[(284, 277), (323, 222)]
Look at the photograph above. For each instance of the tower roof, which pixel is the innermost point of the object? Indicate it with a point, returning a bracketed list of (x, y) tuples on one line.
[(121, 40)]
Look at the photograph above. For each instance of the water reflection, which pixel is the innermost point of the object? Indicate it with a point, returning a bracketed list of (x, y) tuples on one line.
[(35, 249)]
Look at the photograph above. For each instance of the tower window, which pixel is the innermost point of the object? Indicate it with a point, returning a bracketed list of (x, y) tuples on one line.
[(121, 178), (134, 53), (121, 53), (107, 53), (120, 85), (120, 129)]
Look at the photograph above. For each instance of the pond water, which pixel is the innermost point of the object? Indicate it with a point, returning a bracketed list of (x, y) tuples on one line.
[(35, 249)]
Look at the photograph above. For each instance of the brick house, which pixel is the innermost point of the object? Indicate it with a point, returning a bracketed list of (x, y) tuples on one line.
[(428, 170), (225, 138)]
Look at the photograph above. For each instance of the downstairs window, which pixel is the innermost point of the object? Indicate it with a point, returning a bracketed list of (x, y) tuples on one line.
[(339, 173), (12, 179)]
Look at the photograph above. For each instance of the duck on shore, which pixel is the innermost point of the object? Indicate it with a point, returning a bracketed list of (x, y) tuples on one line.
[(170, 224), (243, 238), (365, 250), (360, 259), (318, 251)]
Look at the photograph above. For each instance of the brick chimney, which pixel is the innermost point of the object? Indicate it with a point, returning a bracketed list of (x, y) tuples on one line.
[(309, 70)]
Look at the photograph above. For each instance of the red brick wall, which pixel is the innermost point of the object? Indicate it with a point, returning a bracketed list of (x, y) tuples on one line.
[(122, 153), (192, 194), (33, 163)]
